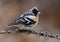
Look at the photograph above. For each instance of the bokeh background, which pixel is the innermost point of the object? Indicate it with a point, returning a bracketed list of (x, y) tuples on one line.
[(49, 19)]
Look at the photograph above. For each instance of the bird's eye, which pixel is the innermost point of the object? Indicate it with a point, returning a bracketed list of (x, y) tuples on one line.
[(35, 11)]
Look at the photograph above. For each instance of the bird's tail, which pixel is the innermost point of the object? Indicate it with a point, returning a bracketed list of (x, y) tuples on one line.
[(16, 23)]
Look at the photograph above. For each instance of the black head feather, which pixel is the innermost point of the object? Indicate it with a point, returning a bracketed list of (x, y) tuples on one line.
[(35, 11)]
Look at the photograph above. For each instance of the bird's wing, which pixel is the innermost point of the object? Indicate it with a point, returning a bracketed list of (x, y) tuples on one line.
[(18, 21), (27, 14), (32, 17)]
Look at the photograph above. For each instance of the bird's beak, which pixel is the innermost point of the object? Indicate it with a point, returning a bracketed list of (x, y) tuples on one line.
[(38, 12)]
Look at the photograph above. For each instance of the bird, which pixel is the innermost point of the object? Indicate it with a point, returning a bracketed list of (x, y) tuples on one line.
[(28, 19)]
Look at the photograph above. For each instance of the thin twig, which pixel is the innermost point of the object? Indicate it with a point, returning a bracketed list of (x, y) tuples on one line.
[(47, 34)]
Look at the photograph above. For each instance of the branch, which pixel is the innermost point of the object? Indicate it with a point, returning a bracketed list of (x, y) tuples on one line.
[(47, 34)]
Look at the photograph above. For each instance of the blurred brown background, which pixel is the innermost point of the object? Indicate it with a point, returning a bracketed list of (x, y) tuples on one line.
[(49, 19)]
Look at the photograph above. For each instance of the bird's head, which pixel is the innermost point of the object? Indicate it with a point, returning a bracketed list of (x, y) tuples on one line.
[(35, 11)]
